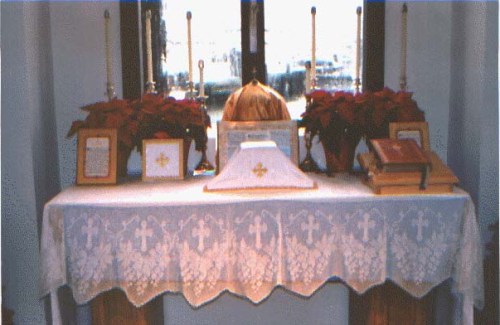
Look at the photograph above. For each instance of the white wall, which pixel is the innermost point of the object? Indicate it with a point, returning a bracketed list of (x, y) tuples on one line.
[(77, 39), (488, 196), (428, 67), (29, 166), (473, 145), (452, 70), (488, 206), (52, 63)]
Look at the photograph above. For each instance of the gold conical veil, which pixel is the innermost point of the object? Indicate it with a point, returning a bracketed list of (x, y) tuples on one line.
[(255, 102)]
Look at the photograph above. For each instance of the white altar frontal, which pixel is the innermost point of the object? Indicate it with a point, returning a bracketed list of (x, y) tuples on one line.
[(172, 237)]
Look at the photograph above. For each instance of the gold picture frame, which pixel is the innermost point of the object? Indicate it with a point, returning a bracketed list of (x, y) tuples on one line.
[(162, 159), (418, 131), (97, 156), (230, 134)]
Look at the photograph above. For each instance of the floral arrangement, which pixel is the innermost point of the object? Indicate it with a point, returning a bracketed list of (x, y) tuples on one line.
[(160, 118), (341, 119), (115, 114), (153, 116)]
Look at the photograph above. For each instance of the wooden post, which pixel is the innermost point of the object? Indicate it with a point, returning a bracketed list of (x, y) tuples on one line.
[(113, 308)]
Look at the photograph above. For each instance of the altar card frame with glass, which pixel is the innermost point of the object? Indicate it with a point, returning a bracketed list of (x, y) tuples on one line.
[(418, 131), (97, 156), (162, 159), (231, 134)]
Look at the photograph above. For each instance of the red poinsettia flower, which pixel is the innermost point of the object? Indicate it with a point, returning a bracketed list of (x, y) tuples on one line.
[(115, 113), (160, 116), (319, 96), (162, 135), (152, 115), (366, 114)]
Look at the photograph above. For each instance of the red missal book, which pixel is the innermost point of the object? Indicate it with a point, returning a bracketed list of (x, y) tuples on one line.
[(403, 155)]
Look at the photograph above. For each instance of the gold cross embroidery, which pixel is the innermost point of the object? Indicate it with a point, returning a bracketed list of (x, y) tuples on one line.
[(259, 170), (162, 160), (397, 148)]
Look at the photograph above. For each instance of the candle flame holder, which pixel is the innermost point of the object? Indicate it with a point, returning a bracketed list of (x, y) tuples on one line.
[(110, 91), (402, 84), (190, 93), (357, 84), (150, 87)]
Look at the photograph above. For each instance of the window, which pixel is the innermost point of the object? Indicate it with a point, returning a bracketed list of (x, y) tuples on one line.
[(216, 40), (220, 36), (289, 46)]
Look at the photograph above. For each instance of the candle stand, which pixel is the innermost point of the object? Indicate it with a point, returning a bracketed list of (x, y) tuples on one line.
[(190, 94), (308, 164), (204, 167), (150, 87), (110, 91)]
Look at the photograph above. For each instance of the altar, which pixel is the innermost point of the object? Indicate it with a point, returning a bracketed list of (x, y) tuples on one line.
[(148, 239)]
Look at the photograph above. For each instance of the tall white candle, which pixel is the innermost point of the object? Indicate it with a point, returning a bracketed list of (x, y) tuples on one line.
[(254, 8), (110, 88), (149, 53), (313, 48), (107, 47), (201, 65), (190, 50), (404, 37), (358, 49)]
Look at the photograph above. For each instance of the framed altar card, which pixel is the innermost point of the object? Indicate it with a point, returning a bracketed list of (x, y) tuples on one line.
[(418, 131), (162, 159), (231, 134), (97, 156)]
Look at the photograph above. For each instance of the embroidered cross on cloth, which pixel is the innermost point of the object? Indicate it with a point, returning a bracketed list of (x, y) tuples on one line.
[(259, 165)]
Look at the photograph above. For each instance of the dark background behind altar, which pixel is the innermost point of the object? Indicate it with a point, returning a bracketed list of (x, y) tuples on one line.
[(53, 62)]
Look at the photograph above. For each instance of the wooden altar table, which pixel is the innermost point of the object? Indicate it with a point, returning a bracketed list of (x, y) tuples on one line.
[(151, 238)]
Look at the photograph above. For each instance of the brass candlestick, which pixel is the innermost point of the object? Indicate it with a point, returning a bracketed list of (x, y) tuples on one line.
[(150, 87), (190, 94), (110, 91), (204, 167), (308, 164)]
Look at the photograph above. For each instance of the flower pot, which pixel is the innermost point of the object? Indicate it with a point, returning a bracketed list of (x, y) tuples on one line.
[(339, 154), (187, 146), (122, 161)]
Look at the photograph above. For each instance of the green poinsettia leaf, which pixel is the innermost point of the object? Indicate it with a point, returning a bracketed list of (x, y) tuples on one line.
[(75, 126)]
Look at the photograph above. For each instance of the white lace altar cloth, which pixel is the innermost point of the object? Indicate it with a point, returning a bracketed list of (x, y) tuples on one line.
[(148, 239)]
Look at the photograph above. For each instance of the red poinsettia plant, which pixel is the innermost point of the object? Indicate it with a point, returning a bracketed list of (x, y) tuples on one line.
[(386, 106), (153, 116), (162, 117), (114, 114), (341, 119), (331, 114)]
